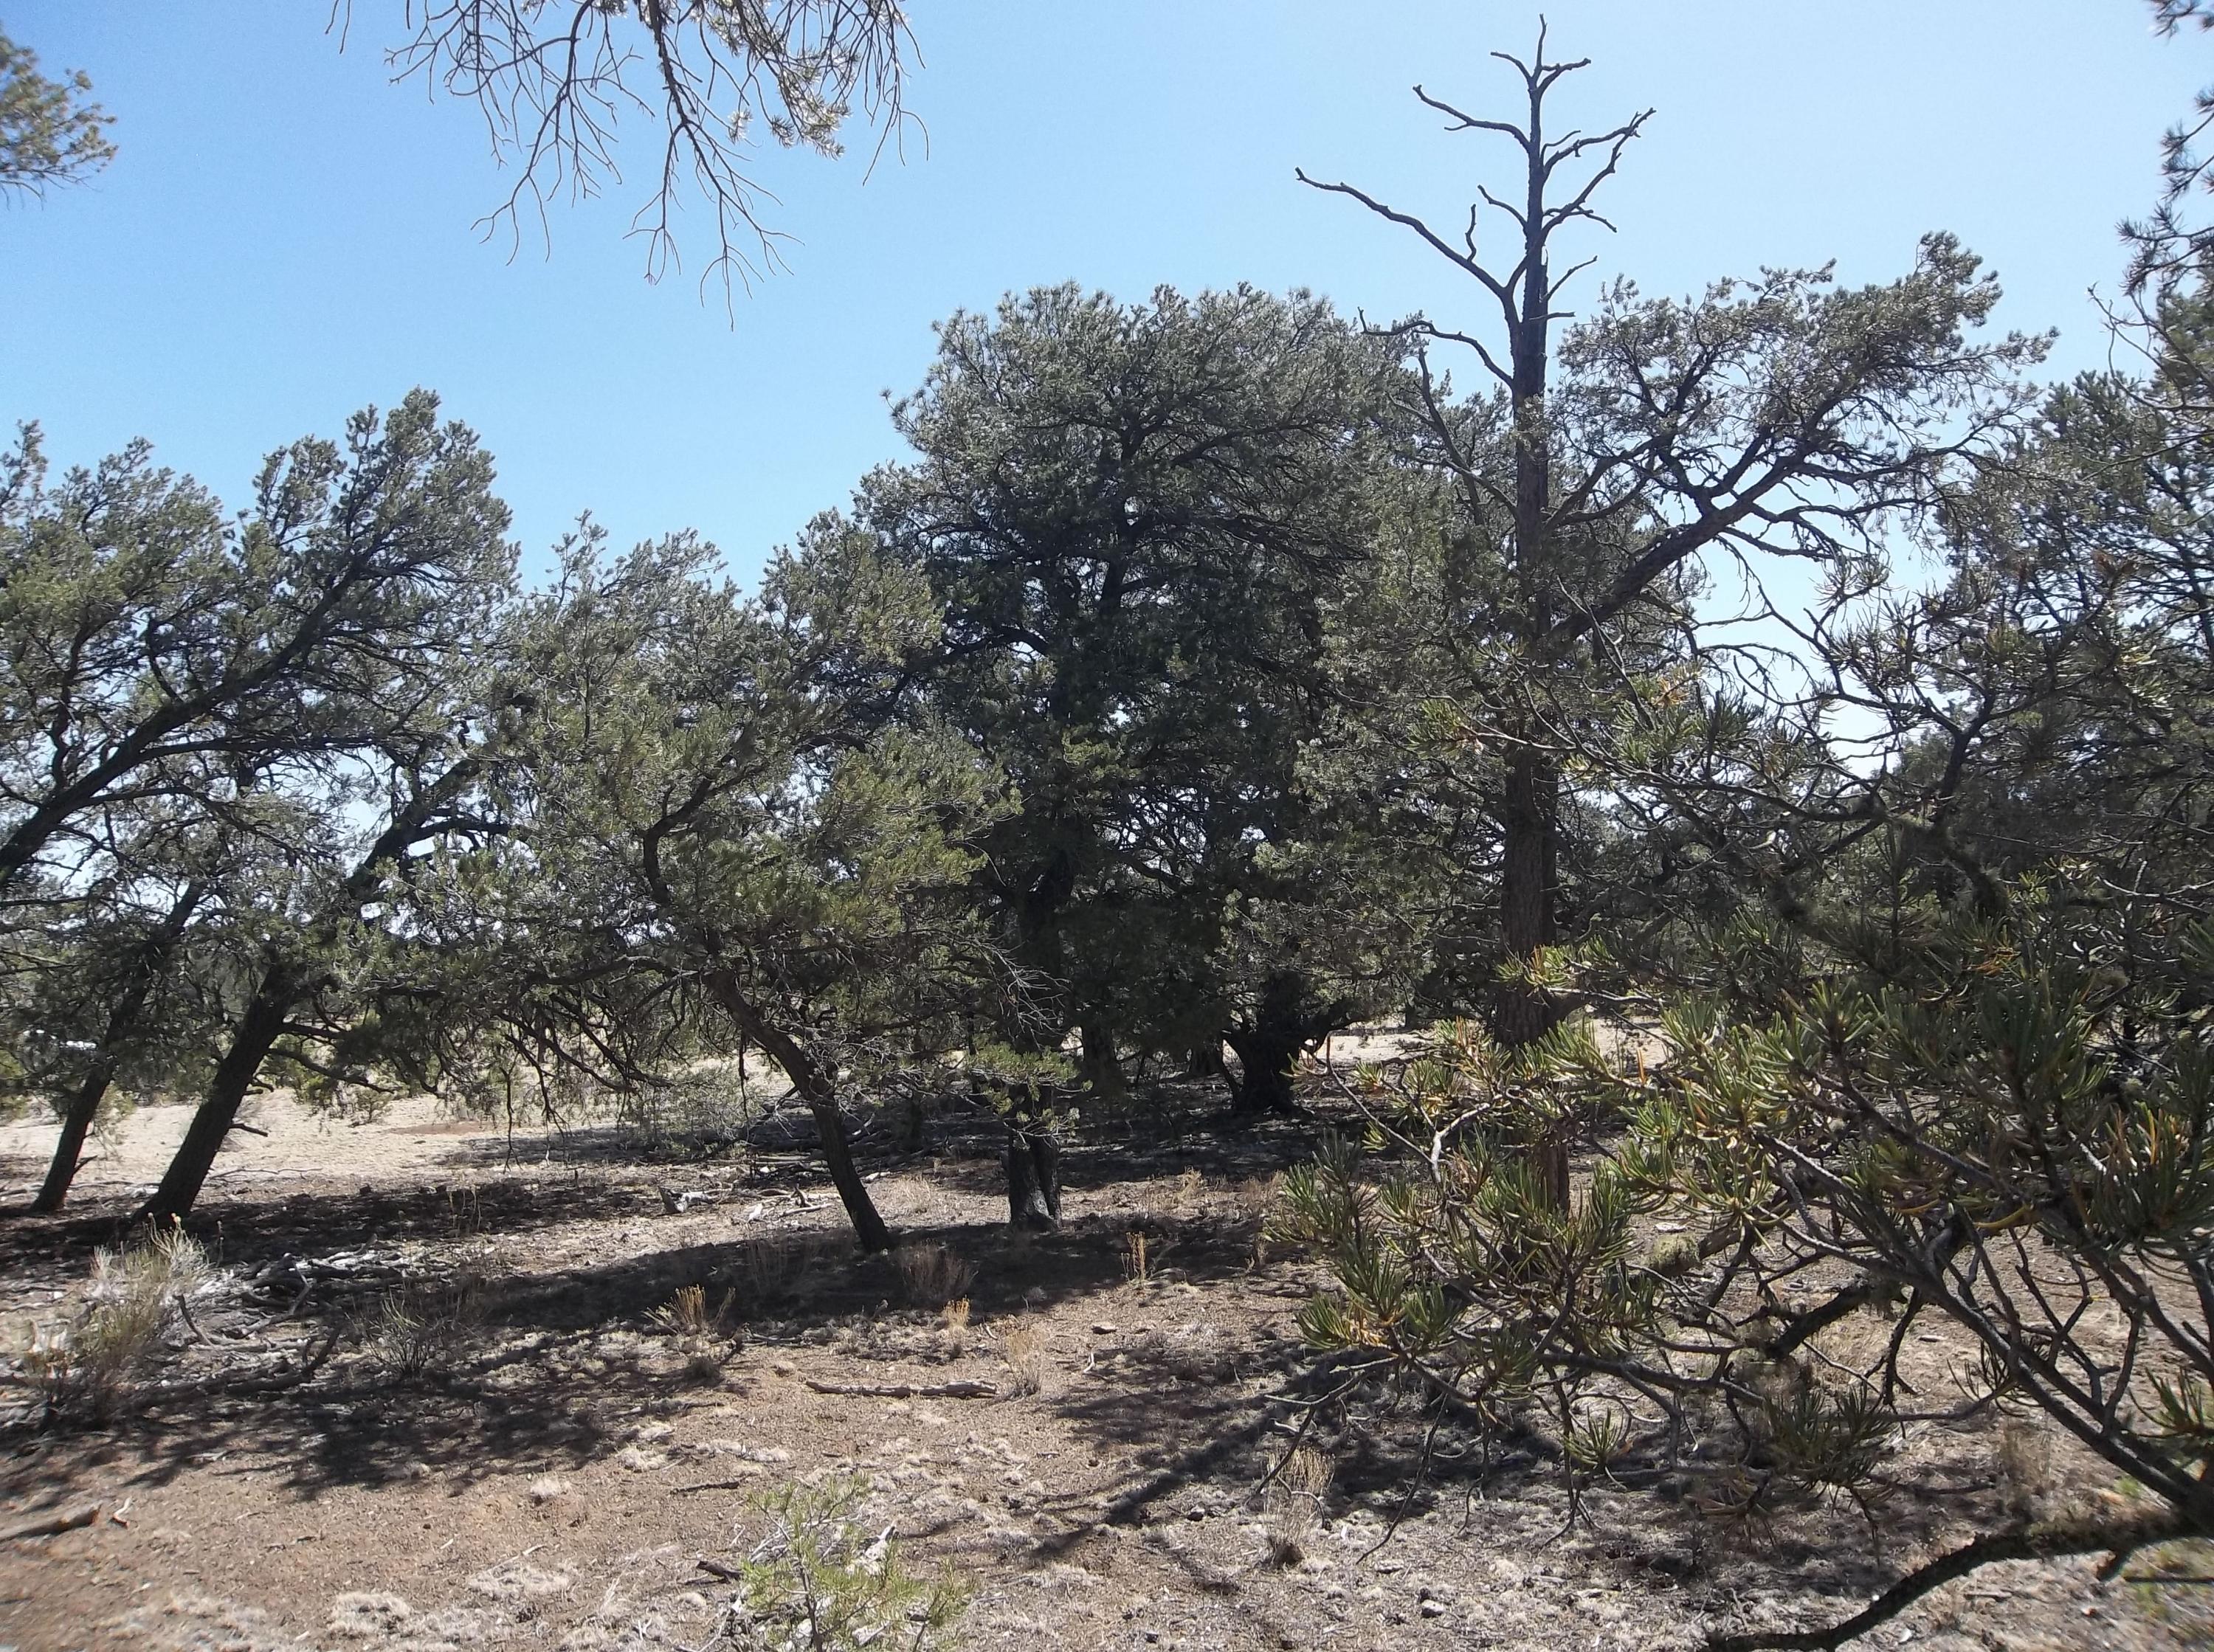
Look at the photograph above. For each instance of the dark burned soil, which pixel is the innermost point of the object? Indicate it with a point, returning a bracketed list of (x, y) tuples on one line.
[(555, 1476)]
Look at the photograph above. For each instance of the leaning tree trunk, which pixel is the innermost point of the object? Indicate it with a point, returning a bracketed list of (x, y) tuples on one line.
[(83, 1106), (77, 1115), (818, 1087), (1033, 1165), (257, 1034)]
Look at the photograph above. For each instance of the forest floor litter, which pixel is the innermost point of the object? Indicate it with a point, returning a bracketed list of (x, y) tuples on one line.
[(567, 1470)]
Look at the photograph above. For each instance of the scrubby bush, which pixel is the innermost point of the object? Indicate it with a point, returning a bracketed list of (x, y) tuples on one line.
[(817, 1581)]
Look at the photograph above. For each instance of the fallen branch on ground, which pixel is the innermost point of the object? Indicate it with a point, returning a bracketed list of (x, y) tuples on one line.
[(963, 1390), (52, 1525)]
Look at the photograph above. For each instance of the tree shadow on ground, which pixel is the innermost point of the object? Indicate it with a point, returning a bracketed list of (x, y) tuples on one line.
[(558, 1361)]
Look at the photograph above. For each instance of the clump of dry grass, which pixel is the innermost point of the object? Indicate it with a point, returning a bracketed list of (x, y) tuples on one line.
[(1255, 1194), (703, 1336), (2024, 1465), (956, 1314), (1023, 1347), (933, 1274), (1137, 1257), (1292, 1502), (784, 1264), (421, 1329), (91, 1365), (1254, 1199)]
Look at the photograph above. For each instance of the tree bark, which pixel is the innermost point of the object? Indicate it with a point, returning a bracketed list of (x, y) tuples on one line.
[(1525, 1013), (815, 1085), (258, 1031), (1033, 1165), (1270, 1057), (1284, 1026), (83, 1106), (1102, 1066)]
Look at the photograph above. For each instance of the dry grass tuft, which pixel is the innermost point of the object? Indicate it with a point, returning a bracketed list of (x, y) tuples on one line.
[(956, 1313), (1292, 1502), (1137, 1257), (1023, 1347), (702, 1335), (785, 1265), (933, 1274), (2024, 1465), (419, 1330), (91, 1366)]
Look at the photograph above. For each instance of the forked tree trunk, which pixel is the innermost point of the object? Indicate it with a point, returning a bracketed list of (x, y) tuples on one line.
[(1033, 1165), (1284, 1026)]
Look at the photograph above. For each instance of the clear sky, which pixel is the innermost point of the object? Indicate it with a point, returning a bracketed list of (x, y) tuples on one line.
[(286, 235)]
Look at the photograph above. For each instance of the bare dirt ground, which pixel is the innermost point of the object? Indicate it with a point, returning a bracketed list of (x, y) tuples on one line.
[(555, 1477)]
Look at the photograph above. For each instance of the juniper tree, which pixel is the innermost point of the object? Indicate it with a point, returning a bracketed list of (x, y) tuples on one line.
[(1135, 518), (376, 742), (198, 713)]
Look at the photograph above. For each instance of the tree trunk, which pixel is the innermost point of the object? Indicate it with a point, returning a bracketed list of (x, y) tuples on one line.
[(1284, 1026), (1525, 1013), (77, 1123), (259, 1029), (818, 1088), (1270, 1057), (122, 1023), (1102, 1066), (1033, 1162)]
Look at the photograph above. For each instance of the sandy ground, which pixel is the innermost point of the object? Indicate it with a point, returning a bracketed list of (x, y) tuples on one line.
[(557, 1477)]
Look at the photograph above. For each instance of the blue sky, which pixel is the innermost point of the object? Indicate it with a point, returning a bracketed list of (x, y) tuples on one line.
[(286, 235)]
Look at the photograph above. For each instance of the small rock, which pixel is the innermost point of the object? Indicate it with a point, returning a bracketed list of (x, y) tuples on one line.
[(1105, 1328), (1433, 1608)]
